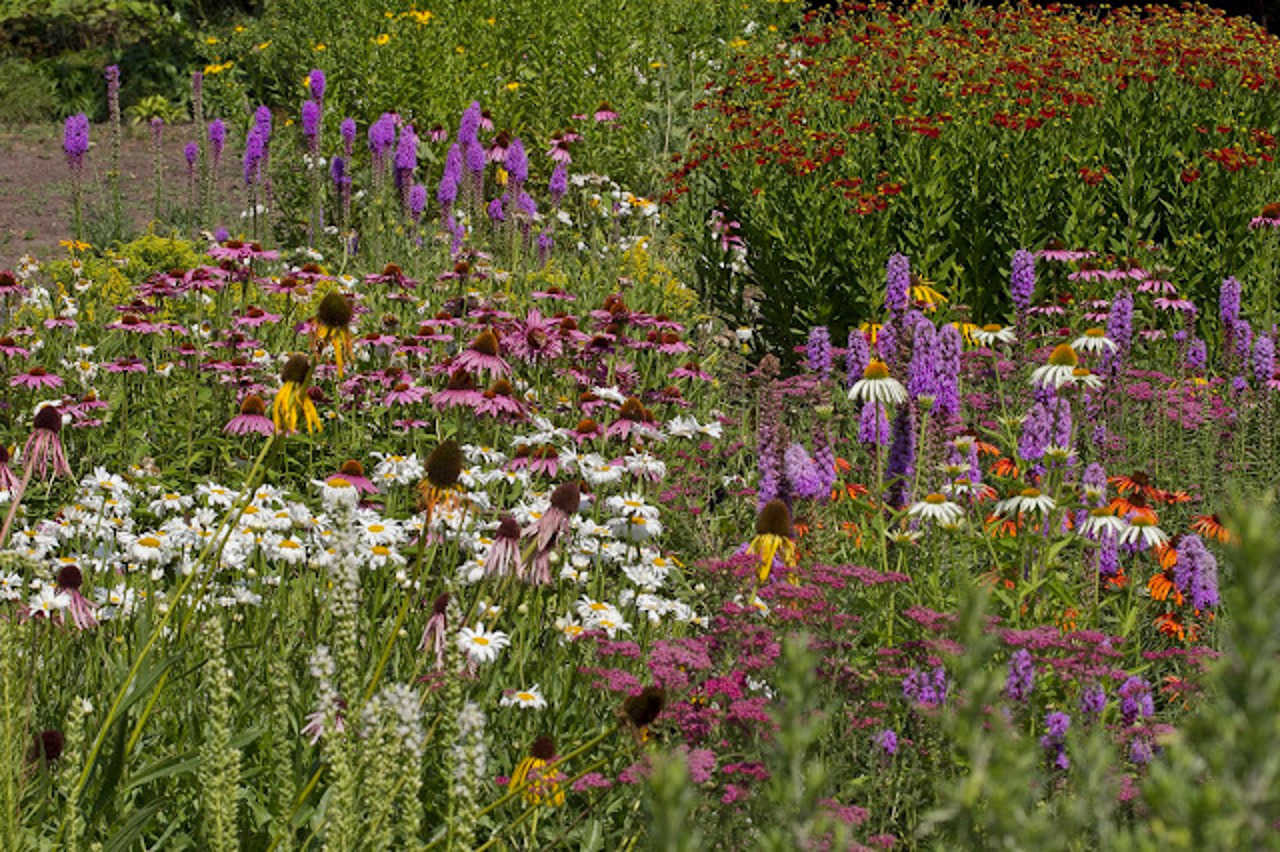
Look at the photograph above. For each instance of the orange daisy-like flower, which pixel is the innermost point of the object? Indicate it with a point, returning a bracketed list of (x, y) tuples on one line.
[(1161, 588), (1001, 526), (1067, 621), (1119, 581), (1135, 483), (1005, 467), (1133, 505), (1166, 555), (1170, 624), (1172, 497), (987, 449), (1210, 526)]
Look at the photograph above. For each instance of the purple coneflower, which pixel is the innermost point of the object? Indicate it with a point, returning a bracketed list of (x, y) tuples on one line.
[(69, 580), (43, 454), (483, 356), (500, 401), (557, 520), (461, 390), (251, 419), (353, 472), (433, 637), (35, 378), (503, 557)]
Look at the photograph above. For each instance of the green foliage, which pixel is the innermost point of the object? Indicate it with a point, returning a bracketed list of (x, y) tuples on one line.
[(28, 93)]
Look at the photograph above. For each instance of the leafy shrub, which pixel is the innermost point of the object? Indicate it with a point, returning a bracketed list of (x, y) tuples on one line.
[(28, 94)]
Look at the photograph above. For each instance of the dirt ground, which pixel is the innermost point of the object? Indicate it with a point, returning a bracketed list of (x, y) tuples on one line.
[(35, 185)]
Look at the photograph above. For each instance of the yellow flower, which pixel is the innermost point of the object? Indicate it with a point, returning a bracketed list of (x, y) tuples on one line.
[(382, 39), (74, 245), (491, 21), (460, 49), (318, 46), (423, 18), (264, 45), (513, 85), (773, 534), (538, 782), (655, 65), (217, 69), (211, 40), (502, 176), (239, 28), (739, 43)]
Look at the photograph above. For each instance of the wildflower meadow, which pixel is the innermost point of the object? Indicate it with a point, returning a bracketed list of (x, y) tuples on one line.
[(647, 425)]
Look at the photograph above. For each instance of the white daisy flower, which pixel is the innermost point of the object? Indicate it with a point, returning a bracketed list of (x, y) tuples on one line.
[(480, 645), (876, 385), (528, 699), (48, 600), (936, 507), (1029, 500), (990, 335), (335, 492), (1095, 342), (1102, 521), (1060, 370), (1142, 529)]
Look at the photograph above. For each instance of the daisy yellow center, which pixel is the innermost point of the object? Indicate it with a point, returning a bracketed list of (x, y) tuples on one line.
[(992, 328), (1095, 332), (1063, 356), (480, 640), (149, 542), (599, 607), (376, 528), (1142, 521), (935, 499), (875, 370), (1031, 493), (525, 696), (381, 550), (1101, 512), (1081, 372), (339, 482), (289, 544)]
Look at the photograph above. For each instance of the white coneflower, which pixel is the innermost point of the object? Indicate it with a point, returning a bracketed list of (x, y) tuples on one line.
[(1084, 376), (1095, 342), (901, 536), (1143, 529), (991, 334), (1028, 500), (876, 385), (1060, 370), (1103, 520), (480, 645), (936, 507), (337, 492)]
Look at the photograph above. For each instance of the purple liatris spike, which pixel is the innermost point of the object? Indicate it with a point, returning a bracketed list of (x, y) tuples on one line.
[(1229, 301), (311, 123), (469, 126), (191, 152), (947, 380), (1264, 360), (886, 345), (474, 157), (770, 439), (1036, 431), (902, 457), (1054, 741), (1022, 676), (873, 425), (1094, 484), (1093, 700), (887, 742), (407, 150), (1120, 322), (1242, 338), (1197, 569), (317, 81), (382, 135), (75, 139), (1135, 700), (802, 475), (255, 148), (926, 688), (856, 357), (338, 173), (1197, 354), (818, 351), (526, 205), (417, 200), (517, 162), (545, 244), (217, 138), (447, 192), (1061, 435), (495, 209), (558, 187), (1108, 555), (348, 132), (1022, 279), (897, 284), (824, 459), (924, 362)]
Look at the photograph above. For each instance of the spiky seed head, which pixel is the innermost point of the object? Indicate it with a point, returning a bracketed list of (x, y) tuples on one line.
[(774, 519), (253, 404), (295, 370), (567, 497), (334, 311), (49, 419), (444, 465)]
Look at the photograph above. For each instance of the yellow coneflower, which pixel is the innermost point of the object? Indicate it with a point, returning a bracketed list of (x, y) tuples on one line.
[(292, 398), (333, 325), (773, 533), (924, 295), (541, 785)]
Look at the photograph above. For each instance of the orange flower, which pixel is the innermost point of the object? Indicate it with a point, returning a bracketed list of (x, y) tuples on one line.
[(1166, 556), (1171, 625), (1135, 483), (1000, 526), (1005, 467), (1161, 587), (1135, 505), (1067, 621), (1172, 497), (1210, 526)]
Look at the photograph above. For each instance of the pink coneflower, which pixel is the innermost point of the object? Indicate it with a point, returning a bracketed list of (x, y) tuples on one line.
[(252, 418), (559, 149), (69, 581), (10, 285), (8, 481), (404, 393), (1056, 251), (127, 365), (497, 150), (499, 401), (392, 274), (10, 348), (586, 430), (437, 133), (632, 417), (1157, 285), (1270, 217), (35, 378), (503, 557), (605, 114), (433, 637), (1165, 304), (353, 472), (483, 356), (557, 520), (373, 340), (43, 454), (534, 338), (589, 402), (461, 390), (253, 316), (134, 324), (554, 293), (690, 370), (238, 250), (671, 344), (542, 458)]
